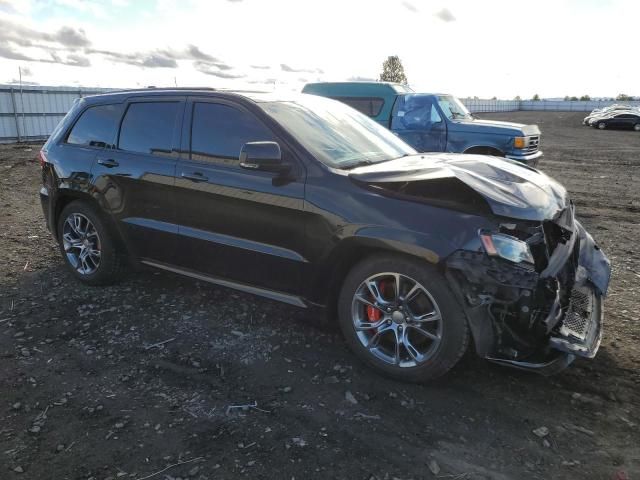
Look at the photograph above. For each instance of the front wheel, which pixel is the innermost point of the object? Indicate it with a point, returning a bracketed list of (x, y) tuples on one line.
[(399, 316), (602, 125), (636, 127)]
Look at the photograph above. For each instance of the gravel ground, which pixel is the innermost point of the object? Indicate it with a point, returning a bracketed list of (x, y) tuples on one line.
[(163, 377)]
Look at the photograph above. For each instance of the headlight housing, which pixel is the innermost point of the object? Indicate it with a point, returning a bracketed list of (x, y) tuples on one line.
[(507, 247), (519, 142)]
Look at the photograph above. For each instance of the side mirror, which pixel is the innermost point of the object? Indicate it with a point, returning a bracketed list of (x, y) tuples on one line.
[(265, 156)]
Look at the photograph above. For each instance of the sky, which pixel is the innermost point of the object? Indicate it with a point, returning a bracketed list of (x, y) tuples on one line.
[(482, 48)]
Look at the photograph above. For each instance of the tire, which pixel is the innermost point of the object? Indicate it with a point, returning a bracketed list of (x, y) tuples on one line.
[(601, 125), (102, 269), (636, 127), (423, 358)]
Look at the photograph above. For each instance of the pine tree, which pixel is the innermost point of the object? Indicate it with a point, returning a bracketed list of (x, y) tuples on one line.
[(393, 71)]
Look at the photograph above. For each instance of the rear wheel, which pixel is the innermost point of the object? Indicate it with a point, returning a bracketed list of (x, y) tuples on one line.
[(636, 127), (87, 245), (399, 316)]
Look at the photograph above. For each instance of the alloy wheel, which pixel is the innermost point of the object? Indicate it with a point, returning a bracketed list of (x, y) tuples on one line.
[(636, 127), (396, 319), (602, 126), (81, 243)]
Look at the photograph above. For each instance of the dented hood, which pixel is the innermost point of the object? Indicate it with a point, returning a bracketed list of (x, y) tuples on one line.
[(509, 188)]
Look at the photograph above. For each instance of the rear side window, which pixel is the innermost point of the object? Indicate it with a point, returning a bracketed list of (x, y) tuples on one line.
[(148, 128), (370, 106), (218, 133), (96, 127)]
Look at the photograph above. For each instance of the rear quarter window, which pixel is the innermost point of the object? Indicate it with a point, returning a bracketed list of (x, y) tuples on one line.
[(96, 127), (148, 127), (370, 106)]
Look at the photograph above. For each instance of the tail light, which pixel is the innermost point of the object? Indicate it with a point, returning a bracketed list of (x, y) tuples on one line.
[(42, 158)]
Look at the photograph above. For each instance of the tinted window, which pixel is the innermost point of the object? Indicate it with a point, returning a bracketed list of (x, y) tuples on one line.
[(370, 106), (96, 126), (218, 132), (148, 127)]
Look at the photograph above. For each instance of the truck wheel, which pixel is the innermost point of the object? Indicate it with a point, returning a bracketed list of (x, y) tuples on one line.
[(399, 317), (87, 245)]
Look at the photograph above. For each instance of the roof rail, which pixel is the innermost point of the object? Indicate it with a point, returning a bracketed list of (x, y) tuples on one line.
[(153, 87)]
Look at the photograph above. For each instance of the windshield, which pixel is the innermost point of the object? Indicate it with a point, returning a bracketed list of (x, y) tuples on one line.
[(336, 134), (453, 108)]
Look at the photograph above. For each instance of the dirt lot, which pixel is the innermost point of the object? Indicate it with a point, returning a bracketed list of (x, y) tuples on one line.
[(85, 394)]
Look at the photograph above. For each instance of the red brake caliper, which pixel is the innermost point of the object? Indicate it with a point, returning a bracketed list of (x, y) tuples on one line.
[(373, 314)]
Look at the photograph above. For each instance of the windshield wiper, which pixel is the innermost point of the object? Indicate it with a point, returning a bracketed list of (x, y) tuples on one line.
[(359, 163)]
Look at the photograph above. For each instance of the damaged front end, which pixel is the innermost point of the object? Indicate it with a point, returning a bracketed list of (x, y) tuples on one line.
[(532, 292), (532, 286)]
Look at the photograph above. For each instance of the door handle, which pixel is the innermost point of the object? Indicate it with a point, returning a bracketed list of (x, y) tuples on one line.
[(194, 177), (108, 162)]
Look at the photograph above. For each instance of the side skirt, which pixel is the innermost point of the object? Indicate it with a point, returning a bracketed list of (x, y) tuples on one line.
[(263, 292)]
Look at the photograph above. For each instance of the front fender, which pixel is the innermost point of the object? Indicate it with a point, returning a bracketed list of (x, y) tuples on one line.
[(459, 142), (368, 240)]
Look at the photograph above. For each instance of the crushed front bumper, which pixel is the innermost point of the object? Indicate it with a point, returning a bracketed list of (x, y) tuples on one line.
[(574, 321)]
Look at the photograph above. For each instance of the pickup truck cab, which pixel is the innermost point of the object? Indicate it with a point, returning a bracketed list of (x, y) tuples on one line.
[(434, 122)]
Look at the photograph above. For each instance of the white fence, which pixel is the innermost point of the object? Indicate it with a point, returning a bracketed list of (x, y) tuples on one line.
[(478, 105), (32, 112)]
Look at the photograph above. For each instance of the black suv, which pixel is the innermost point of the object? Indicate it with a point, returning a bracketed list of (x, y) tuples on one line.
[(306, 201)]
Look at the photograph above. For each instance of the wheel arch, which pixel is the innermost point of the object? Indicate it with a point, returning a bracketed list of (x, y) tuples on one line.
[(351, 251), (64, 197), (485, 150)]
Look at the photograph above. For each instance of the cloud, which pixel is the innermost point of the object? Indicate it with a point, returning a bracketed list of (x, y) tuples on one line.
[(7, 52), (261, 67), (445, 15), (197, 54), (265, 81), (154, 59), (71, 37), (66, 40), (5, 6), (26, 37), (206, 68), (219, 65), (72, 60), (163, 58), (286, 68), (410, 6), (16, 81), (361, 79), (158, 60)]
